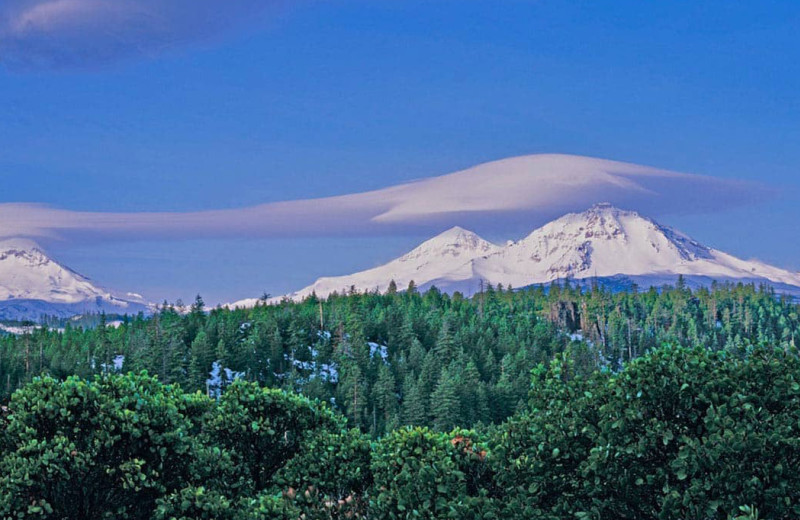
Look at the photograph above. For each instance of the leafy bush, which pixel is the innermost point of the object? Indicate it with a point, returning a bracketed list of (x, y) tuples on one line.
[(539, 453), (422, 474), (693, 434), (331, 476), (109, 447), (196, 503), (264, 428), (680, 433), (269, 507), (5, 437)]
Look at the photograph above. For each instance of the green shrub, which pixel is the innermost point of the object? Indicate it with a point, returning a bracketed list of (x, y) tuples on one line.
[(196, 503), (539, 453), (268, 507), (679, 433), (331, 475), (687, 433), (264, 428), (426, 475), (5, 437), (99, 449)]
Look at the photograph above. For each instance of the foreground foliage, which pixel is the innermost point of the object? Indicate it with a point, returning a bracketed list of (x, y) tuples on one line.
[(679, 433)]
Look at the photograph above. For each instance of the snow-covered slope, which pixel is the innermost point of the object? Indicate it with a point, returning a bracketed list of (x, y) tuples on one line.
[(32, 284), (451, 252), (606, 241), (602, 242)]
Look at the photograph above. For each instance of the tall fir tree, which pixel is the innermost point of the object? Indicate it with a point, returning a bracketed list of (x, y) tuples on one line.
[(445, 405), (201, 360)]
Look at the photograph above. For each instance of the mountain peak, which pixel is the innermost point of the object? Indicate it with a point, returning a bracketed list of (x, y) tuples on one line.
[(602, 220), (452, 251), (32, 284), (603, 241), (19, 244), (454, 242), (608, 208), (456, 234)]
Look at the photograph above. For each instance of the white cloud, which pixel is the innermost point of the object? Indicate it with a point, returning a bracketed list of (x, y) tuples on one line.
[(70, 15), (91, 33), (491, 197)]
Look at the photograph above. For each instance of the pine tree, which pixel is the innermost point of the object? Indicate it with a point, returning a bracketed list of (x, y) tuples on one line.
[(175, 356), (196, 318), (352, 394), (429, 375), (445, 343), (201, 360), (415, 411), (445, 406), (102, 350), (468, 394), (385, 399), (416, 356), (277, 360)]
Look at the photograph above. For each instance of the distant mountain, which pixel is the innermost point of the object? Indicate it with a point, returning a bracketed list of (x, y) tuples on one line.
[(608, 242), (614, 247), (32, 285)]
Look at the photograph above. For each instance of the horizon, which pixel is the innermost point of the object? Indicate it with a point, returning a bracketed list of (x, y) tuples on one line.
[(218, 113), (614, 280)]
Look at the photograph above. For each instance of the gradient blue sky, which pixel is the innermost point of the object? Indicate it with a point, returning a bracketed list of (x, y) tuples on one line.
[(316, 98)]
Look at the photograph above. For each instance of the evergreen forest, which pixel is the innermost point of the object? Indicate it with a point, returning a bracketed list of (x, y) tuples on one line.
[(544, 403)]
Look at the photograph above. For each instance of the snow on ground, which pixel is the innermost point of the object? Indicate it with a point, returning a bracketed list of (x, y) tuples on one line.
[(18, 329), (381, 350)]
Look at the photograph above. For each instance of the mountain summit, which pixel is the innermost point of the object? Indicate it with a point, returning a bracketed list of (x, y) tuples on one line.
[(449, 254), (603, 243), (32, 285)]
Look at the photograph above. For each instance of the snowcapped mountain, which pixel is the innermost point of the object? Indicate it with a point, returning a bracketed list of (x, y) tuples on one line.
[(605, 243), (451, 252), (32, 284)]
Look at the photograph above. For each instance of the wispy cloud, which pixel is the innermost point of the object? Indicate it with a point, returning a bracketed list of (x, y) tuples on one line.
[(492, 196), (92, 33)]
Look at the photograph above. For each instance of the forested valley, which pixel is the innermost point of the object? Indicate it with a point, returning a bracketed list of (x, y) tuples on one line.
[(546, 403)]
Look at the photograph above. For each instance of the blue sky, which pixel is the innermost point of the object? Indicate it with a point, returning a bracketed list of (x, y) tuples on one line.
[(303, 99)]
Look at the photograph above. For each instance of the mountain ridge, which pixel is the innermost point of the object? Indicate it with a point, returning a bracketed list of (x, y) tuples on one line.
[(602, 242)]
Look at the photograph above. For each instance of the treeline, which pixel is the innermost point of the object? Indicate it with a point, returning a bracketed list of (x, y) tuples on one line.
[(678, 433), (405, 358)]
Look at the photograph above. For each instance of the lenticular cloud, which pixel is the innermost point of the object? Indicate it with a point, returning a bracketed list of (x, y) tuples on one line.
[(492, 196)]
